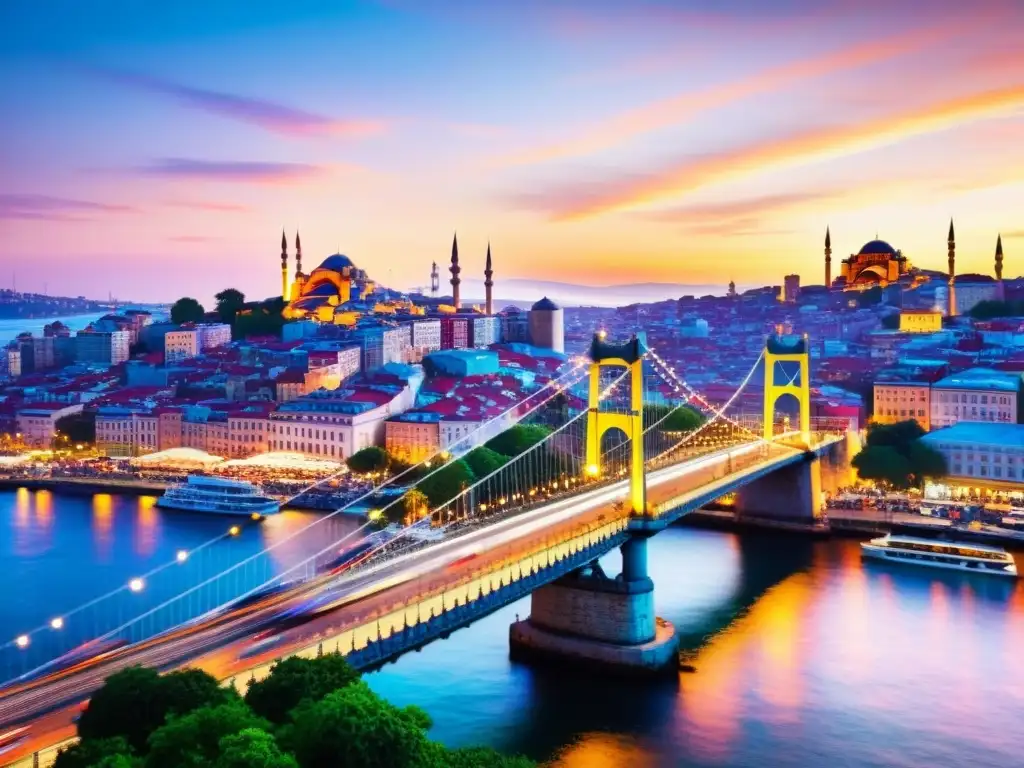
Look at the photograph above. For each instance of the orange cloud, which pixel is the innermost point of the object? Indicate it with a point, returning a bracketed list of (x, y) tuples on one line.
[(802, 147), (667, 112)]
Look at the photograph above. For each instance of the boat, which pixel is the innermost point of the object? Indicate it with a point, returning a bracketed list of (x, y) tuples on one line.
[(973, 558), (219, 496)]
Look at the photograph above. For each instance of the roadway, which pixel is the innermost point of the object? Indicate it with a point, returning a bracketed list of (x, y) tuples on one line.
[(222, 645)]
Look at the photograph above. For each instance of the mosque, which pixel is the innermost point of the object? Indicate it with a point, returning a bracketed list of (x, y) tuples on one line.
[(879, 264), (338, 292)]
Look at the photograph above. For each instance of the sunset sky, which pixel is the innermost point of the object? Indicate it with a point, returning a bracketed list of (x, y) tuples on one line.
[(158, 149)]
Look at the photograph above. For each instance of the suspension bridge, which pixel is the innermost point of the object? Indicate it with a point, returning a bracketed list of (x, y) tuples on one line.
[(610, 476)]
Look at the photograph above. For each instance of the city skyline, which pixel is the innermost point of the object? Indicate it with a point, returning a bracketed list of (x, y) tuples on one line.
[(150, 153)]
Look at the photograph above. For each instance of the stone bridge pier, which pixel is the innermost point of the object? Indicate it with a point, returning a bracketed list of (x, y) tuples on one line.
[(591, 620)]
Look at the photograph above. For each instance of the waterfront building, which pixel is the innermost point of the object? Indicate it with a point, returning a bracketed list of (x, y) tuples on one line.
[(13, 358), (547, 325), (102, 347), (902, 400), (981, 456), (181, 344), (977, 394), (37, 422), (126, 431), (920, 321), (413, 436)]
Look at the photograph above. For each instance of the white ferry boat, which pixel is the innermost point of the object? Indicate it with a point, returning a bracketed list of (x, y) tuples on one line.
[(219, 496), (976, 558)]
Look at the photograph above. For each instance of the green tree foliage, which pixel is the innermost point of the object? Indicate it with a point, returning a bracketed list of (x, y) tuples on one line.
[(372, 458), (355, 728), (133, 703), (442, 486), (414, 504), (294, 680), (681, 419), (78, 427), (262, 318), (193, 740), (187, 310), (895, 455), (987, 310), (484, 757), (229, 302), (92, 752), (252, 748), (482, 461), (514, 440)]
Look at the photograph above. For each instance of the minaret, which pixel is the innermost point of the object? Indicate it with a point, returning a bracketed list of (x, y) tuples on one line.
[(435, 279), (298, 255), (488, 284), (828, 258), (1000, 288), (284, 267), (455, 269), (951, 244)]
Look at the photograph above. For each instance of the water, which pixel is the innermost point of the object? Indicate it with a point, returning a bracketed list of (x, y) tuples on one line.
[(11, 327), (804, 655)]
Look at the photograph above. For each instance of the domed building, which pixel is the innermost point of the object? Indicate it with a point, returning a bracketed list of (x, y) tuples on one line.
[(877, 263), (323, 293), (547, 325)]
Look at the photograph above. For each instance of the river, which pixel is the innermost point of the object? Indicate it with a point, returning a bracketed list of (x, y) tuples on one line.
[(11, 327), (804, 655)]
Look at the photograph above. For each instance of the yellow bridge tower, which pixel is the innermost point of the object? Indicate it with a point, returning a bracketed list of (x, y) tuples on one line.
[(778, 351), (630, 356)]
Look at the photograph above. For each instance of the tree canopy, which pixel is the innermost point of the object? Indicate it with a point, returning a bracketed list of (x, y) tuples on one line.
[(78, 427), (514, 440), (986, 310), (482, 461), (261, 318), (229, 302), (895, 455), (306, 713), (442, 486), (294, 680), (676, 419), (187, 310), (372, 458)]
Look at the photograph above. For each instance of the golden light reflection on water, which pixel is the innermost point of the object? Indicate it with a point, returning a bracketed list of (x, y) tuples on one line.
[(147, 529), (603, 750), (22, 522), (103, 524)]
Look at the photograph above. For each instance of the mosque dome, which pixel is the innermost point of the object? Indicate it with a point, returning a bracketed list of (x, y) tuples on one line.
[(545, 304), (877, 248), (336, 263)]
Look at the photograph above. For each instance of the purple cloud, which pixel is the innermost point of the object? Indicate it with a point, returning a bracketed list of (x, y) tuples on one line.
[(31, 207), (207, 205), (245, 171), (268, 115)]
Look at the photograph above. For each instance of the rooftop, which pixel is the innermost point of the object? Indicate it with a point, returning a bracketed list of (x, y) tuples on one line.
[(981, 378), (979, 433)]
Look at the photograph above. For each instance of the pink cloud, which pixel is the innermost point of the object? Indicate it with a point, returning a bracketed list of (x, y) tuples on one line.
[(208, 205), (49, 208), (241, 171)]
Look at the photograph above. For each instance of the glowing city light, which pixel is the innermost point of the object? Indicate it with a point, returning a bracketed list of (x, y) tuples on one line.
[(234, 530), (136, 584), (22, 641), (57, 623), (182, 556), (374, 514), (592, 469)]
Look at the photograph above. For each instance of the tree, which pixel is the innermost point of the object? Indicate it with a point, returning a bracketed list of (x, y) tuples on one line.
[(134, 702), (78, 427), (870, 297), (252, 748), (445, 484), (229, 302), (294, 680), (193, 740), (484, 757), (483, 461), (187, 310), (682, 419), (514, 440), (355, 728), (895, 454), (372, 458), (263, 318), (89, 753), (415, 504)]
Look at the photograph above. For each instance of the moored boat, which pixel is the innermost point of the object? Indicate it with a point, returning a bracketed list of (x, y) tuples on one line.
[(220, 496), (935, 553)]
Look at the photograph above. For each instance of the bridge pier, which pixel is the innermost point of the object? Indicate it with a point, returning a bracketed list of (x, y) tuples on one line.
[(588, 619), (792, 494)]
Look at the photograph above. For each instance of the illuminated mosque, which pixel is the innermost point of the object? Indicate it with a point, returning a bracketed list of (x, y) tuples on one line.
[(879, 264), (338, 292)]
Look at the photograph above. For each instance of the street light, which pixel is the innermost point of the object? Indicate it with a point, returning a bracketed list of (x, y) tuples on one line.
[(182, 555), (136, 584), (57, 622), (234, 530), (22, 641)]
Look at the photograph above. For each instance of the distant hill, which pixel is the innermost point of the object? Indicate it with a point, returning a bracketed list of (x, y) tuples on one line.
[(525, 292)]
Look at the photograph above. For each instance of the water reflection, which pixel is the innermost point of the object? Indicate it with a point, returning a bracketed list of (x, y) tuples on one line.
[(147, 530), (103, 525)]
